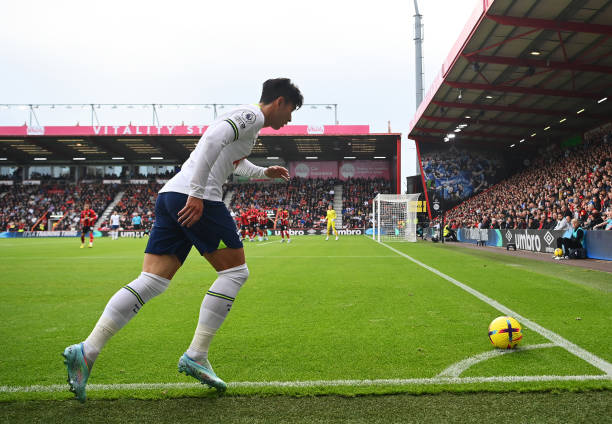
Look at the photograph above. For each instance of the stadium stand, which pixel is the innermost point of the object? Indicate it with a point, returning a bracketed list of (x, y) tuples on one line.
[(575, 182), (24, 206), (357, 200), (137, 199), (457, 174)]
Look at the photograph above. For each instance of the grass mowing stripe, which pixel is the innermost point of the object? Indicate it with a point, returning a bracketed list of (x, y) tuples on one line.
[(313, 383), (583, 354)]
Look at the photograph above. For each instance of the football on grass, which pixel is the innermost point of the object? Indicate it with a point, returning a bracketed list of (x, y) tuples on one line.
[(505, 332)]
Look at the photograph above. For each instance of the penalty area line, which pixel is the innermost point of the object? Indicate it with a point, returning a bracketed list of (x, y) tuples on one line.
[(313, 383), (574, 349)]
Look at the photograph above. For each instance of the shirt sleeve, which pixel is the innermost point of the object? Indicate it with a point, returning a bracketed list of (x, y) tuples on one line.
[(248, 169), (244, 122), (215, 139)]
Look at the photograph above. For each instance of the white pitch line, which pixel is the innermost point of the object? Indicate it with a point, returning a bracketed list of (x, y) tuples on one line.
[(583, 354), (313, 383), (456, 369)]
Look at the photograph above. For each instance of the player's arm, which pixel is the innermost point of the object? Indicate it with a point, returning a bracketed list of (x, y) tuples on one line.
[(248, 169), (215, 139)]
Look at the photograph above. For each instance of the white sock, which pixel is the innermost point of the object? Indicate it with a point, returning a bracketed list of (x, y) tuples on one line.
[(121, 308), (215, 307)]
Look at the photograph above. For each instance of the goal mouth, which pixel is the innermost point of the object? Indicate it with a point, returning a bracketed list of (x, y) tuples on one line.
[(394, 217)]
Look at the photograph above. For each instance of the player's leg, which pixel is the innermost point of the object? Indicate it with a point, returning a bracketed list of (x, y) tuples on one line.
[(91, 237), (83, 237), (328, 230), (157, 271), (335, 231), (166, 250), (232, 273)]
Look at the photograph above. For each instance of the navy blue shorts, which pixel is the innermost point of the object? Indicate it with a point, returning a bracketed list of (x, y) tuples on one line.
[(168, 237)]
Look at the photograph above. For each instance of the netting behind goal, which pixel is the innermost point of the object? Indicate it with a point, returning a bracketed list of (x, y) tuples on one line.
[(395, 217)]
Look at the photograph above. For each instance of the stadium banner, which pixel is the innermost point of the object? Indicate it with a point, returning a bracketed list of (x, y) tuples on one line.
[(364, 169), (31, 182), (6, 182), (598, 243), (111, 181), (35, 234), (292, 232), (182, 130), (314, 169), (320, 232), (139, 181), (126, 233), (162, 180)]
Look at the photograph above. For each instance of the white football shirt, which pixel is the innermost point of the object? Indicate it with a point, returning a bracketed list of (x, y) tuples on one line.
[(114, 219), (222, 149)]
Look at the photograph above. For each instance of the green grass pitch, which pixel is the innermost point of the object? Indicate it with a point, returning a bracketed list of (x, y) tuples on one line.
[(311, 311)]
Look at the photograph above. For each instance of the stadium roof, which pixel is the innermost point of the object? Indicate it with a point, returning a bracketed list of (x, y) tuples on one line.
[(165, 144), (522, 73)]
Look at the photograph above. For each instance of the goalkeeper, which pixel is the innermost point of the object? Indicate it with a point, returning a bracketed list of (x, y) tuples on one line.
[(331, 221)]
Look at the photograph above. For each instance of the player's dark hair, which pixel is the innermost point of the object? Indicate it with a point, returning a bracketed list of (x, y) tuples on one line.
[(281, 87)]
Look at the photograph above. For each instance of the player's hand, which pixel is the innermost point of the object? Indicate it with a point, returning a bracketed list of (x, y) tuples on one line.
[(192, 212), (277, 172)]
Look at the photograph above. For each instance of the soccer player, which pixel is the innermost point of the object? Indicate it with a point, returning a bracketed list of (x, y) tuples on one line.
[(331, 221), (262, 221), (252, 217), (114, 221), (284, 221), (189, 212), (88, 220), (244, 221)]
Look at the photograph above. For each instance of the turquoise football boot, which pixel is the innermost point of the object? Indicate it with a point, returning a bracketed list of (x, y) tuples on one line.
[(78, 370), (201, 372)]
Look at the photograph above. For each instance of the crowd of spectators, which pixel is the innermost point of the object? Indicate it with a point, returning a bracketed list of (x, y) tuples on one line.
[(306, 199), (137, 200), (561, 184), (357, 197), (26, 207), (456, 174)]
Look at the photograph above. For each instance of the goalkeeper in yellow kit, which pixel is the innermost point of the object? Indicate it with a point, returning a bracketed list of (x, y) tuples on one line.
[(331, 221)]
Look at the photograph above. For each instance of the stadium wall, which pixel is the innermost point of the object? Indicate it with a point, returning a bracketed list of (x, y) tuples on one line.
[(598, 243)]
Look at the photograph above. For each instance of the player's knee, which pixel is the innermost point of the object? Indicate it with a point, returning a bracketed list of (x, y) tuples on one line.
[(238, 274), (149, 285)]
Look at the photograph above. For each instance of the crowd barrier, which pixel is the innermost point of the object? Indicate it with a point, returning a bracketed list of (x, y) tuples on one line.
[(598, 243), (142, 233)]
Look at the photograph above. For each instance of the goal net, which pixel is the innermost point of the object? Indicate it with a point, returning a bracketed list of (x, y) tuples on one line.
[(395, 217)]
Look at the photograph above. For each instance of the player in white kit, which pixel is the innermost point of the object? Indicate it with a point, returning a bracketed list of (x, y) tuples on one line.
[(189, 212), (114, 222)]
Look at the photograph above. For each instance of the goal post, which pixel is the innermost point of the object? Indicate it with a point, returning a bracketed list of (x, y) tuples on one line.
[(394, 217)]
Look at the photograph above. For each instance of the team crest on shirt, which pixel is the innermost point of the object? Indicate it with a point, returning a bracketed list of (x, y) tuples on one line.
[(249, 116)]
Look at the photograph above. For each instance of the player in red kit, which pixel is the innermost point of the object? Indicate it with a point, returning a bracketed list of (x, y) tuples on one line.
[(262, 220), (244, 224), (283, 215), (88, 219), (252, 217)]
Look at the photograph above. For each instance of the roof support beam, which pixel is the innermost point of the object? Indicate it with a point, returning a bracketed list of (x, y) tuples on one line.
[(569, 66), (552, 24), (523, 90), (510, 109)]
